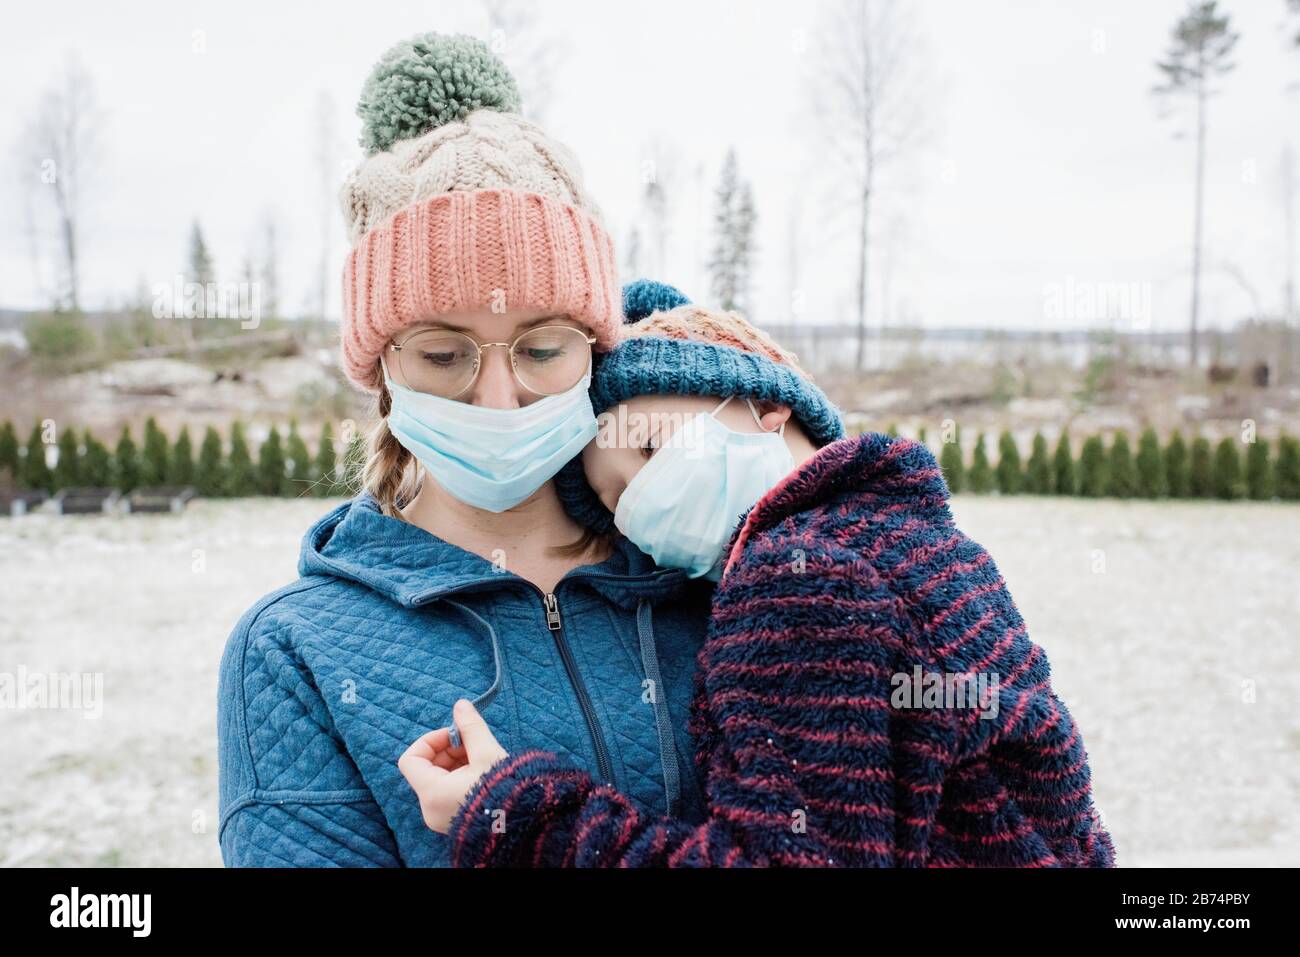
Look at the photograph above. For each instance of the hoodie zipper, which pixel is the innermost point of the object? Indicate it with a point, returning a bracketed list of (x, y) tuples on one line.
[(555, 624), (551, 605)]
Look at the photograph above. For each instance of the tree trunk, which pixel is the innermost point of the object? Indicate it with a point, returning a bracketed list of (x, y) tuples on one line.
[(1193, 343), (863, 245)]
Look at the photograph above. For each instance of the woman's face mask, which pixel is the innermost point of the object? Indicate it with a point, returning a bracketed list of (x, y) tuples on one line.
[(685, 503), (491, 459)]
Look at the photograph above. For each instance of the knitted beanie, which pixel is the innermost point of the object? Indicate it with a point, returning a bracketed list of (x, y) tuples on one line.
[(689, 350), (461, 205)]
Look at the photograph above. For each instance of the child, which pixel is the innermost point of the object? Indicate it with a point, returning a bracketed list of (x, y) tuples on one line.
[(867, 694)]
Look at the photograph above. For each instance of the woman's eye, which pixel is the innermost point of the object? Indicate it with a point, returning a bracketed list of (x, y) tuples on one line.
[(440, 358), (542, 355)]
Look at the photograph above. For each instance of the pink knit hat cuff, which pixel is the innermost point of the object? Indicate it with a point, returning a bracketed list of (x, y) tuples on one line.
[(468, 250)]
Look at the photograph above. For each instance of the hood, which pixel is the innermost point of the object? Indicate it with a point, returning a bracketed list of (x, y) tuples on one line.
[(873, 464), (357, 542)]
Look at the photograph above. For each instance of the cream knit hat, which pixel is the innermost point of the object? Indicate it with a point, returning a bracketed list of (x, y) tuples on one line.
[(463, 204)]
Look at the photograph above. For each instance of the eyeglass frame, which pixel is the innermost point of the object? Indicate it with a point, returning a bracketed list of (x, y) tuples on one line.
[(480, 346)]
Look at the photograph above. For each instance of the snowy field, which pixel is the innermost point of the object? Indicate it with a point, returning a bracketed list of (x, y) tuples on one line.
[(1171, 629)]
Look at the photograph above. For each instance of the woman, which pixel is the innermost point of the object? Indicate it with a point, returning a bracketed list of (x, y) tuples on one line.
[(479, 281), (867, 695)]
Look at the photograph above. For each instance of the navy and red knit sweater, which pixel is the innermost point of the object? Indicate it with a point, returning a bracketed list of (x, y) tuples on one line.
[(846, 576)]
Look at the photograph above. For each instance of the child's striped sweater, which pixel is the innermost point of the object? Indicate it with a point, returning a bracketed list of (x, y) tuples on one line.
[(847, 575)]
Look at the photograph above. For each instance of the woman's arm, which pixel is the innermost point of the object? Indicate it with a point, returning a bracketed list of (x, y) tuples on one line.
[(291, 796)]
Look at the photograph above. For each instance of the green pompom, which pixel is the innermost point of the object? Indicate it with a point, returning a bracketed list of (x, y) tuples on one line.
[(427, 81)]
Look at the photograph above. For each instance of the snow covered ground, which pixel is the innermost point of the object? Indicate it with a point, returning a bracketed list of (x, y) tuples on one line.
[(1171, 629)]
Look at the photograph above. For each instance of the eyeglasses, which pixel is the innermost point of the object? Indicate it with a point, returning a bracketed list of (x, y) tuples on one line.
[(546, 360)]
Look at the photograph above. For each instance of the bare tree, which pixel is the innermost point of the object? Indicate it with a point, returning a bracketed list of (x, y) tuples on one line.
[(327, 164), (1200, 50), (870, 112), (660, 175), (532, 53), (269, 271), (1288, 197), (64, 142)]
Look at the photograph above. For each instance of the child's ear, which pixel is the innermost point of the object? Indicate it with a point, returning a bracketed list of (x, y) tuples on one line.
[(772, 416)]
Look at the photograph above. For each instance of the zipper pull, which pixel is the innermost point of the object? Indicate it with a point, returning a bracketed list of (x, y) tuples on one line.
[(552, 611)]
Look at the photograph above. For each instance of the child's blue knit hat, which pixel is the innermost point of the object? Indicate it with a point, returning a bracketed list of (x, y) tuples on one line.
[(660, 360)]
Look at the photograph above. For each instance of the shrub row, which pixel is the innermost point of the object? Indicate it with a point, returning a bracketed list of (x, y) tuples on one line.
[(1232, 469), (283, 467)]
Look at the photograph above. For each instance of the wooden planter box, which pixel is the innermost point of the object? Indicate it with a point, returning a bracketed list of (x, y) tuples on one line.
[(19, 503), (170, 498), (87, 501)]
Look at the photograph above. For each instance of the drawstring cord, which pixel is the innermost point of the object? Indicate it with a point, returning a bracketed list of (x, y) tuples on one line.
[(483, 700), (667, 746)]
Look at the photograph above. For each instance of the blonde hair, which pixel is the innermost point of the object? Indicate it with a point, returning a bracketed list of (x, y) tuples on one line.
[(390, 473)]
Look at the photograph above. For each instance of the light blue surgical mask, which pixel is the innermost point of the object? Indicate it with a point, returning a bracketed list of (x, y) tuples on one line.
[(682, 508), (491, 459)]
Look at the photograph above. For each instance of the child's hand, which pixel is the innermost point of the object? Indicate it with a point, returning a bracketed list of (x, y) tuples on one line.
[(442, 776)]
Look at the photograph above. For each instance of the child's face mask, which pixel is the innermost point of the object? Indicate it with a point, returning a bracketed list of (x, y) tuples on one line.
[(682, 507)]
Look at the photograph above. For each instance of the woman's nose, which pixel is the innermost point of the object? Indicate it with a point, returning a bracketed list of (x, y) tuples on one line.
[(496, 386)]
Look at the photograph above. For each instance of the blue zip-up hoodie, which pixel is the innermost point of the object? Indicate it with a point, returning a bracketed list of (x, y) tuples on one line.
[(324, 683)]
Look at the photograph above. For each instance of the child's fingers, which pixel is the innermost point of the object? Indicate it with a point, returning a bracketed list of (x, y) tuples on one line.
[(416, 765), (434, 746)]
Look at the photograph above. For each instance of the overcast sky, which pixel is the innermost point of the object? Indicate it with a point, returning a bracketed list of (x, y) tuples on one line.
[(1046, 160)]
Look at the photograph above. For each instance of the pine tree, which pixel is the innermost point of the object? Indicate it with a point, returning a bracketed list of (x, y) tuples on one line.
[(1038, 470), (1064, 479), (1201, 481), (67, 470), (1287, 472), (154, 466), (1010, 478), (1123, 478), (182, 460), (1259, 471), (210, 476), (327, 480), (241, 477), (1178, 475), (270, 465), (1228, 480), (126, 462), (734, 220), (96, 464), (954, 471), (36, 474), (1151, 479), (981, 476), (9, 456), (1093, 479)]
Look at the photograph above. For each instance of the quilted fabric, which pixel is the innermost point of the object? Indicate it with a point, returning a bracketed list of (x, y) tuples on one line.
[(325, 682)]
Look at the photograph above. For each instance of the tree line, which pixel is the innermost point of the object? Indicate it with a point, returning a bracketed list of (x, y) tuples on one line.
[(1175, 469), (282, 466)]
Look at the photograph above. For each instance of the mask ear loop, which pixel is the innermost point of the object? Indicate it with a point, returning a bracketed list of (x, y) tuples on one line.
[(759, 422)]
